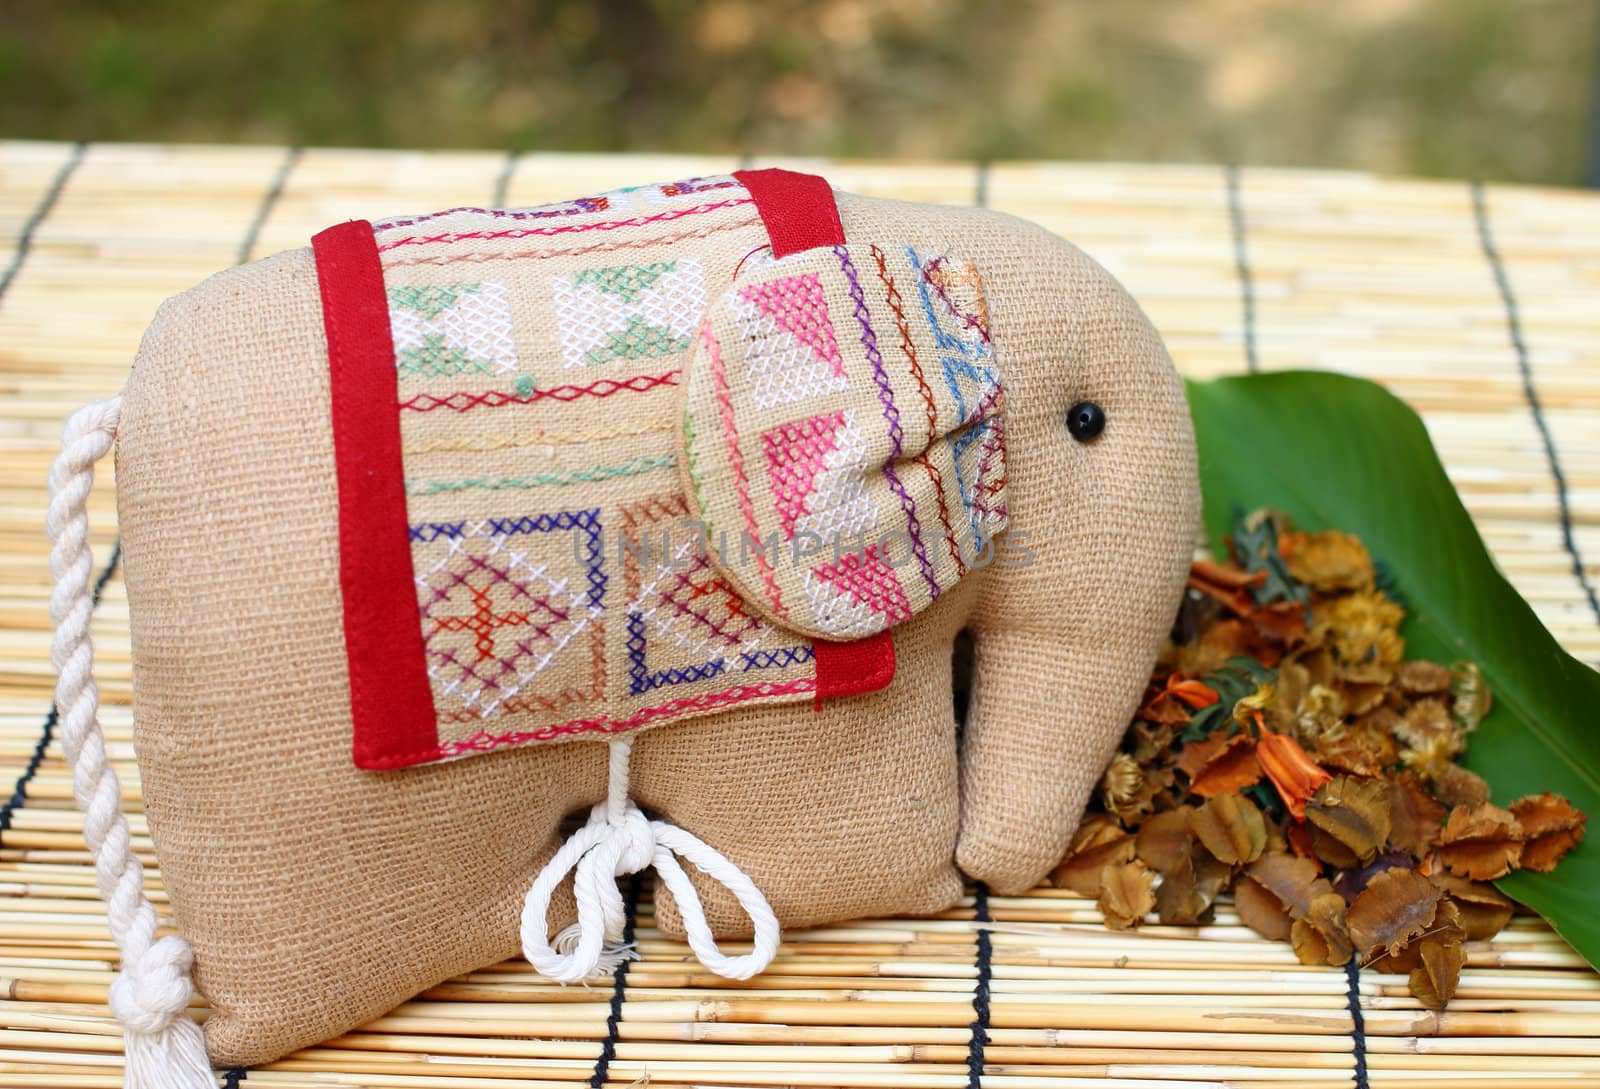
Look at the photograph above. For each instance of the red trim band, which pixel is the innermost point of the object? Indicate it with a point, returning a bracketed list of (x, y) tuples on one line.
[(849, 669), (797, 209), (391, 703)]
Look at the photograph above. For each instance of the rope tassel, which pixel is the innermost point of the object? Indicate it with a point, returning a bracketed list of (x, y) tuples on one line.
[(618, 840), (151, 995)]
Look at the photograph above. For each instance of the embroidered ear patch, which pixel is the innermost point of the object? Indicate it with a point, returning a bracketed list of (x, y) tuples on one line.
[(845, 434)]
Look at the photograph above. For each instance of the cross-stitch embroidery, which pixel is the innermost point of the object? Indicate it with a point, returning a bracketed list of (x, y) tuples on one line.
[(451, 329), (877, 412), (626, 312), (841, 430), (497, 614), (678, 602)]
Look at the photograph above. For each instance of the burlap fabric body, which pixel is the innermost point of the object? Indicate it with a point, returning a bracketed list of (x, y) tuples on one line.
[(318, 895)]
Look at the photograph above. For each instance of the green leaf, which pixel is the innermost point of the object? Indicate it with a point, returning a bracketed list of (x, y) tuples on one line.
[(1255, 546), (1335, 452), (1233, 682)]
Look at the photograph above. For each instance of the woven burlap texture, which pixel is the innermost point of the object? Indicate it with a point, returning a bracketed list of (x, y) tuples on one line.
[(318, 896)]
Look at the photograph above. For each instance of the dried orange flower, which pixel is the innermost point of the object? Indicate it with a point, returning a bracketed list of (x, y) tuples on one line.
[(1171, 704), (1295, 775), (1288, 665)]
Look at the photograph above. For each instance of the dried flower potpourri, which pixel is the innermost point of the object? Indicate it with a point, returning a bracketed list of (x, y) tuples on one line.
[(1288, 752)]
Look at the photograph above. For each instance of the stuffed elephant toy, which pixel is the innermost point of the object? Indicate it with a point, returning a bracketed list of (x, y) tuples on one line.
[(661, 508)]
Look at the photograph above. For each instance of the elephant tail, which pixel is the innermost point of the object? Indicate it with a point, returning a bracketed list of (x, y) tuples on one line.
[(151, 995)]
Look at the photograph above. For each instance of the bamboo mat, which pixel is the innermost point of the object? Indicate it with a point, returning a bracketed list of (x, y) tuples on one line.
[(1477, 306)]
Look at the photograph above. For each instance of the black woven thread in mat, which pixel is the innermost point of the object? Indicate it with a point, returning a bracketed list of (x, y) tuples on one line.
[(1358, 1023), (1241, 260), (47, 734), (1491, 252), (30, 226), (983, 960), (619, 988)]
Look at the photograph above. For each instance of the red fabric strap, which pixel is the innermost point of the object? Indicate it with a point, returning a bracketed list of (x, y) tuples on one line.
[(799, 213), (848, 669), (391, 703), (797, 209)]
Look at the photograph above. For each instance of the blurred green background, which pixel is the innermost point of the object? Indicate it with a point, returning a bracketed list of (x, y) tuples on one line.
[(1500, 90)]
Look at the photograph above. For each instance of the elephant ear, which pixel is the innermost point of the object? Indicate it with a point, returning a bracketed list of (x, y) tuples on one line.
[(844, 434)]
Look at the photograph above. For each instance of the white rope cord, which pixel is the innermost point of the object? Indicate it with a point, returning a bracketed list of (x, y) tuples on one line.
[(150, 996), (619, 840)]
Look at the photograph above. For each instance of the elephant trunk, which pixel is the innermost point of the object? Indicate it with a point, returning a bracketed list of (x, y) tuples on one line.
[(1088, 579)]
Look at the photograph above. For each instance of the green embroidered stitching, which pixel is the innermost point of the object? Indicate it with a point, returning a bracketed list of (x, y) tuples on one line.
[(638, 340), (632, 467), (630, 282), (688, 446), (430, 300), (436, 358)]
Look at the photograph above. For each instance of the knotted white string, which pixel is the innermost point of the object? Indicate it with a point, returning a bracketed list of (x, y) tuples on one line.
[(150, 996), (618, 840)]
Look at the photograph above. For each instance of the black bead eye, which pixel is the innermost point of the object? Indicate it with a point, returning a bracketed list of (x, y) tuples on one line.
[(1085, 420)]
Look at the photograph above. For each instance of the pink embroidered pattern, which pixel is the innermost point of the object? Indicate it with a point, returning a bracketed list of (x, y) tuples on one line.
[(833, 503), (790, 348), (447, 238), (868, 589), (605, 387), (716, 701), (741, 482), (663, 241), (796, 454)]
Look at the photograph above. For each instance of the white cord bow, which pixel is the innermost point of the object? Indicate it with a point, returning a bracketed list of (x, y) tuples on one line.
[(618, 840)]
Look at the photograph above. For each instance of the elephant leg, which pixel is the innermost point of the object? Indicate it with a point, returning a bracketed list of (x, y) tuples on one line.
[(847, 812)]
